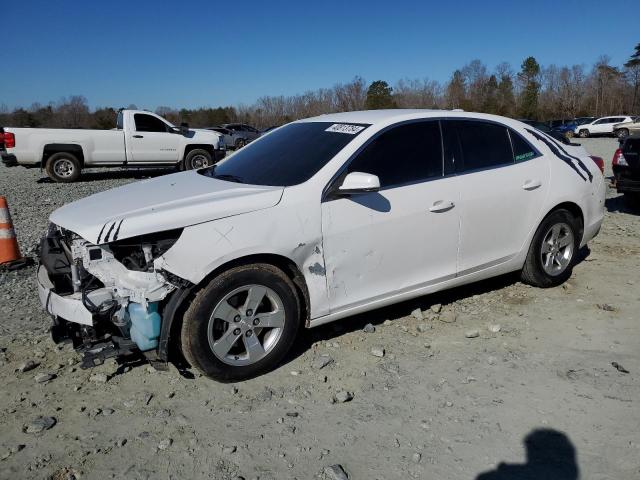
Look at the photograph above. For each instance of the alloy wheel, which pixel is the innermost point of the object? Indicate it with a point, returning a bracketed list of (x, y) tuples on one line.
[(557, 249), (246, 325)]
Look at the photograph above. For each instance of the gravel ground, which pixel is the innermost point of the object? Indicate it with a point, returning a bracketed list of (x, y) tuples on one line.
[(446, 387)]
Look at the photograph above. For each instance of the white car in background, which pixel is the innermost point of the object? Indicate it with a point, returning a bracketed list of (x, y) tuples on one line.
[(319, 220), (600, 126)]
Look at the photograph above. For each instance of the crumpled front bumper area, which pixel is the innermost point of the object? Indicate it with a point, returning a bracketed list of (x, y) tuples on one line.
[(69, 308), (104, 308)]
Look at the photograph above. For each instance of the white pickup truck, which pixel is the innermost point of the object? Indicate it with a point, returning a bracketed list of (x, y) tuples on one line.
[(140, 138)]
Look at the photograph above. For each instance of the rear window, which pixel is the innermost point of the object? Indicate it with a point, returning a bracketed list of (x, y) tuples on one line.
[(522, 150), (287, 156)]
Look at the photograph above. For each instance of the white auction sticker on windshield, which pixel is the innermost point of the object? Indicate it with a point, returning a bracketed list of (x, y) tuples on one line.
[(345, 128)]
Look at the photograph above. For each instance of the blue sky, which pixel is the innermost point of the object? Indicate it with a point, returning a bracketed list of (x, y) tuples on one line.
[(211, 53)]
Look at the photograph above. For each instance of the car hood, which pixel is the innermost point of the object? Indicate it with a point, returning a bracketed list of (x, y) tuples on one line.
[(159, 204)]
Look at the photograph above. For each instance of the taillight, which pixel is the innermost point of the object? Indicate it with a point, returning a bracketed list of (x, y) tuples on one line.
[(618, 159), (9, 140), (599, 161)]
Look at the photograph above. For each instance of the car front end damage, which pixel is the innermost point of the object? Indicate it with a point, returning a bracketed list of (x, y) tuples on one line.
[(107, 299)]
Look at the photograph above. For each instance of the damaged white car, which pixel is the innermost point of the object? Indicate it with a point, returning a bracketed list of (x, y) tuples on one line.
[(316, 221)]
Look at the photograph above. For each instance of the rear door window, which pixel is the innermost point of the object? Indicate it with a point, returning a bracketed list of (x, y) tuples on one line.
[(405, 154), (480, 144)]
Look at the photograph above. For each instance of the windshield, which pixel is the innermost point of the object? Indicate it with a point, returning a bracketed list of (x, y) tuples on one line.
[(288, 156)]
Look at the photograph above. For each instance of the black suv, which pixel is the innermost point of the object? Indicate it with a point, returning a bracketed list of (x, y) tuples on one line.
[(626, 167)]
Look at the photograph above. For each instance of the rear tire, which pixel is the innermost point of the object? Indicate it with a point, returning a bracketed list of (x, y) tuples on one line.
[(622, 133), (63, 167), (229, 337), (583, 133), (197, 158), (553, 250)]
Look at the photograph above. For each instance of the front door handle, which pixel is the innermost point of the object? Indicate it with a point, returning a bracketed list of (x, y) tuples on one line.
[(531, 184), (138, 136), (441, 206)]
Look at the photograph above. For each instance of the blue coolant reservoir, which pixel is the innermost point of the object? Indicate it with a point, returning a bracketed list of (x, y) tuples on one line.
[(145, 325)]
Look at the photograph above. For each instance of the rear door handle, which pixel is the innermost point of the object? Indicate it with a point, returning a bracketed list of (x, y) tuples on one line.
[(138, 136), (532, 184), (441, 206)]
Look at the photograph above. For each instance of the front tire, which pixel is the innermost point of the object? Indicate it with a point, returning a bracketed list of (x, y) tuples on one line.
[(553, 250), (63, 167), (583, 133), (197, 158), (242, 323)]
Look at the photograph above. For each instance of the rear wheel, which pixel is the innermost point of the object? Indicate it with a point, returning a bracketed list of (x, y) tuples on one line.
[(63, 167), (553, 250), (584, 133), (242, 324), (197, 159), (622, 133)]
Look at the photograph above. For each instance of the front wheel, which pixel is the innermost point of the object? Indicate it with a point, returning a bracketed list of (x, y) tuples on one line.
[(242, 323), (197, 159), (553, 250), (583, 133), (63, 167)]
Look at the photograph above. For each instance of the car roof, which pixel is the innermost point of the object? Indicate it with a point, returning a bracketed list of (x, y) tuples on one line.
[(391, 116)]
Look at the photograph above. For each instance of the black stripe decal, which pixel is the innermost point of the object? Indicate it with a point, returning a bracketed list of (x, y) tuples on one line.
[(100, 234), (577, 159), (115, 235), (552, 146), (106, 238)]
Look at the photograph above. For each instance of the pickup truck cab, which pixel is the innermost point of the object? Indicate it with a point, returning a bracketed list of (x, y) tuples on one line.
[(140, 138)]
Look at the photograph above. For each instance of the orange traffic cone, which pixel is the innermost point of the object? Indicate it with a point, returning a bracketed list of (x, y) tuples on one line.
[(9, 250)]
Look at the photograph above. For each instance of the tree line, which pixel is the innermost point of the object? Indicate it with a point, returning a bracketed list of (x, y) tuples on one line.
[(534, 91)]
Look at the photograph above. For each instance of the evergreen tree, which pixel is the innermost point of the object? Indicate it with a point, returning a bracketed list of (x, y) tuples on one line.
[(529, 73), (379, 95)]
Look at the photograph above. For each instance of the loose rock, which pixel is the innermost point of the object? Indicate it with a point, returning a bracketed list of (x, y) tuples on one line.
[(335, 472), (417, 314), (369, 328), (494, 327), (321, 362), (44, 377), (436, 308), (99, 378), (164, 444), (472, 333), (39, 425), (344, 396), (377, 352), (27, 366)]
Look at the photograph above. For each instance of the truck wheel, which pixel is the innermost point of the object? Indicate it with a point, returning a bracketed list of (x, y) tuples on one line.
[(63, 167), (242, 323), (553, 250), (197, 159), (583, 133)]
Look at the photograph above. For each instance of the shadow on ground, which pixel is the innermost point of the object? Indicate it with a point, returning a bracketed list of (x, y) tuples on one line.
[(550, 456), (620, 204), (116, 174)]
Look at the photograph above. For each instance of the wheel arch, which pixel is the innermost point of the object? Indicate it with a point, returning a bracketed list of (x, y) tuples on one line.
[(53, 148), (198, 146), (574, 209), (174, 309)]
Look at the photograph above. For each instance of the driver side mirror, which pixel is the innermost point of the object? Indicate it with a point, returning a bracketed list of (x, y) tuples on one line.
[(359, 182), (184, 128)]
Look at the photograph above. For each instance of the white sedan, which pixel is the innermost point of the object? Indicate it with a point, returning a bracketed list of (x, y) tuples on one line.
[(316, 221)]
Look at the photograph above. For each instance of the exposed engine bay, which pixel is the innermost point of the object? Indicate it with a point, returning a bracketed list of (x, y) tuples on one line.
[(118, 283)]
